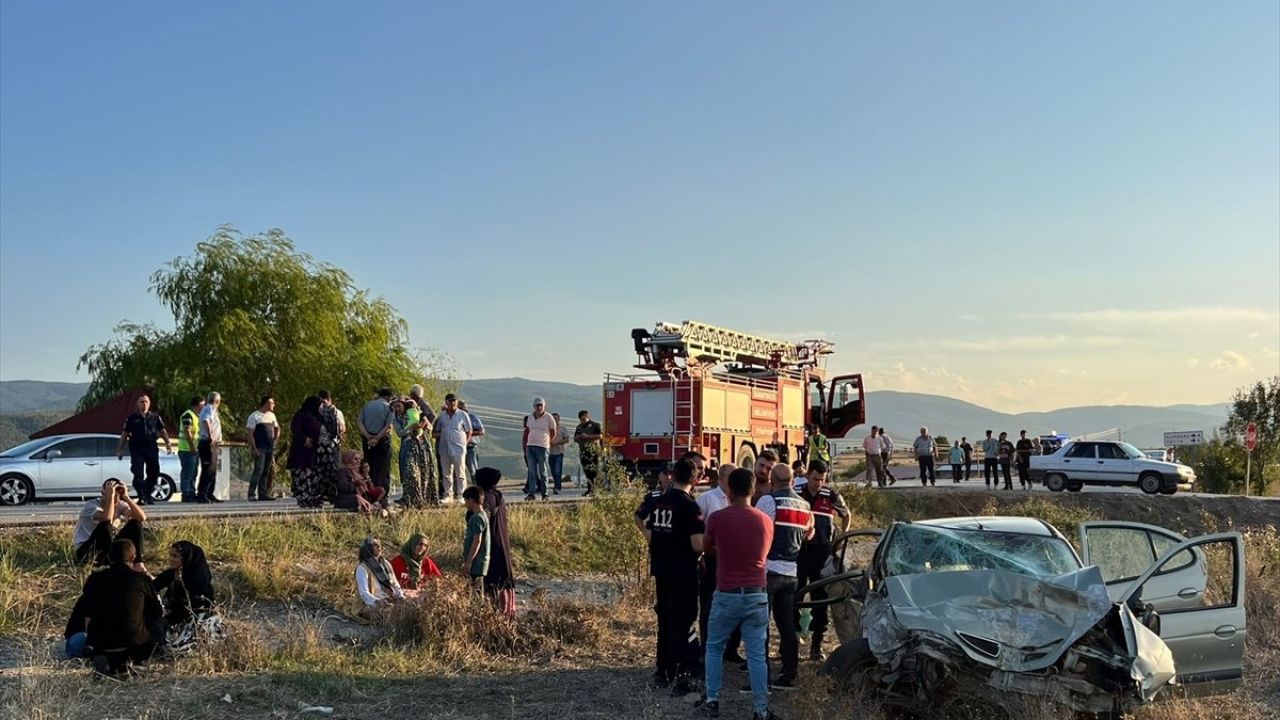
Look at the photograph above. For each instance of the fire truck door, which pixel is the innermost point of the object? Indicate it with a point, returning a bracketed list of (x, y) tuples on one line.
[(845, 408)]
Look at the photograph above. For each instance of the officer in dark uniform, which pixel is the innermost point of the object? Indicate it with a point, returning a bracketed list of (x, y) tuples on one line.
[(141, 430), (674, 527), (828, 509)]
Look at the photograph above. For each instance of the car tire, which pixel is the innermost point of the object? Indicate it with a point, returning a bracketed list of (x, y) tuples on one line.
[(849, 663), (1075, 485), (16, 490), (1150, 482), (165, 488), (1055, 482)]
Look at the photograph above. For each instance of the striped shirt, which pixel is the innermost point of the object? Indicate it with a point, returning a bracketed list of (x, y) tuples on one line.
[(791, 518)]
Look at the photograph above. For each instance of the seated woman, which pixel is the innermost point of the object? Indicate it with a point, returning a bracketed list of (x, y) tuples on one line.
[(375, 580), (187, 590), (355, 492), (119, 614), (413, 566)]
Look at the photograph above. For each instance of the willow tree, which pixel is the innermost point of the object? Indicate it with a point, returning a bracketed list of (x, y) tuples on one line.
[(253, 316)]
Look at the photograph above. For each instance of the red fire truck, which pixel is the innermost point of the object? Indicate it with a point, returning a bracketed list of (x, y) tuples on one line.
[(725, 394)]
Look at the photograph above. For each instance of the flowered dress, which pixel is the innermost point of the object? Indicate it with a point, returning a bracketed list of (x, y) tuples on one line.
[(328, 454)]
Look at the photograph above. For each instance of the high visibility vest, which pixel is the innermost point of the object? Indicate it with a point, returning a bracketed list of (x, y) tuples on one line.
[(818, 449)]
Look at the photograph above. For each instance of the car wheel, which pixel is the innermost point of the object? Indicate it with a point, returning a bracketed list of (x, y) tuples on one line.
[(1150, 482), (850, 665), (1075, 485), (16, 489), (164, 489), (1055, 482)]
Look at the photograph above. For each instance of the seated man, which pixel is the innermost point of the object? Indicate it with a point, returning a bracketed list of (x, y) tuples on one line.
[(95, 528), (122, 615)]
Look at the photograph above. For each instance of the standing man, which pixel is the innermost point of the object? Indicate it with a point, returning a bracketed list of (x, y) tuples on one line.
[(477, 432), (453, 432), (886, 454), (539, 429), (210, 441), (764, 474), (828, 510), (588, 435), (556, 455), (374, 424), (819, 448), (968, 457), (264, 433), (957, 461), (675, 528), (141, 430), (1005, 453), (990, 458), (1024, 449), (740, 537), (925, 449), (792, 524), (188, 442), (871, 445)]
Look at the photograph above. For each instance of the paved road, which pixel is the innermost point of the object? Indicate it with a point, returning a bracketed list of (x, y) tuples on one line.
[(66, 511)]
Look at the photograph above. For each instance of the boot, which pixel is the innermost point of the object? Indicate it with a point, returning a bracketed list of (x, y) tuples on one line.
[(815, 652)]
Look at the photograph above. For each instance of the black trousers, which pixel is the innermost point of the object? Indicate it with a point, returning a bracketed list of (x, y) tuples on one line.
[(100, 539), (1008, 477), (677, 608), (926, 468), (955, 472), (968, 468), (118, 661), (809, 569), (1024, 472), (208, 470), (782, 604), (989, 470), (706, 591), (379, 459), (144, 463)]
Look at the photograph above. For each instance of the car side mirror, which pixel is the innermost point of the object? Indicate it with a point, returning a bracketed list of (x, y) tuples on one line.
[(52, 455)]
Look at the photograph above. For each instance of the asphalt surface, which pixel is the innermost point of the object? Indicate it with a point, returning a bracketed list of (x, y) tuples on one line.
[(908, 479)]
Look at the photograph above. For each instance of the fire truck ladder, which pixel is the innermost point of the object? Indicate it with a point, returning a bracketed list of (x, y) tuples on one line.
[(682, 417), (708, 344)]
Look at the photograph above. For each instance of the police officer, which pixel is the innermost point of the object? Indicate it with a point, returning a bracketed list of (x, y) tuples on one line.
[(674, 527), (826, 505), (141, 430)]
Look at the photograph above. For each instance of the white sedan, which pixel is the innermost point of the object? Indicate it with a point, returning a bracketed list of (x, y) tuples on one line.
[(1083, 463), (73, 466)]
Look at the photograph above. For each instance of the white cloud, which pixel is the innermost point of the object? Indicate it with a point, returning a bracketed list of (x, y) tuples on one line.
[(1031, 342), (1229, 361), (1173, 316), (1193, 362), (932, 380)]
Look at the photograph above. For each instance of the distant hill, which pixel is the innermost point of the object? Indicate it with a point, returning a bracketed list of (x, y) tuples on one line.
[(28, 395)]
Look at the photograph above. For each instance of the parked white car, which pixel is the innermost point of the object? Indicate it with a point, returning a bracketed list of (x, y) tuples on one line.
[(1081, 463), (73, 466)]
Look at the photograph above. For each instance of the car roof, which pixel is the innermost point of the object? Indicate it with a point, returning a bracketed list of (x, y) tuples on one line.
[(69, 436), (1020, 525)]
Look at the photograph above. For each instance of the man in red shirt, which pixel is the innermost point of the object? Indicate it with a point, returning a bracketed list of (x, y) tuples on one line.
[(739, 536)]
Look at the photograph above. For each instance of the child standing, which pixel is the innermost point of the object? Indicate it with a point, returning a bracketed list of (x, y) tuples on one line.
[(475, 544)]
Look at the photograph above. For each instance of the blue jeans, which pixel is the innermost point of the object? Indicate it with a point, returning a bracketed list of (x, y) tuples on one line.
[(190, 463), (751, 614), (535, 459), (263, 470), (473, 462), (77, 646), (557, 469)]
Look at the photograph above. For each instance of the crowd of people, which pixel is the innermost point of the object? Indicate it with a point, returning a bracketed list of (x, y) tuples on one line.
[(728, 560), (1000, 456)]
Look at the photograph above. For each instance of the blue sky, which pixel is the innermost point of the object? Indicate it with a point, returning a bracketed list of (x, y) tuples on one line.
[(1026, 205)]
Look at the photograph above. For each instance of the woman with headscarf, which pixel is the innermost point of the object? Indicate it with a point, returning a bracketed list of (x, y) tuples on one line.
[(413, 566), (355, 493), (375, 580), (500, 581), (306, 434), (188, 601), (407, 422)]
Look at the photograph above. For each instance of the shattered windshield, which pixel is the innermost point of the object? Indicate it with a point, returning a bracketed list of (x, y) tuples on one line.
[(925, 548)]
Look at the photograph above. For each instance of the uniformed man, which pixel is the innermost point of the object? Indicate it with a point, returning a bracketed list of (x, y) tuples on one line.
[(827, 506), (819, 448), (141, 430), (588, 434), (674, 527), (1024, 449)]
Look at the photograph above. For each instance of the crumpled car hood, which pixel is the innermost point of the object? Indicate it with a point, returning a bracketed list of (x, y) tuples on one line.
[(1033, 621)]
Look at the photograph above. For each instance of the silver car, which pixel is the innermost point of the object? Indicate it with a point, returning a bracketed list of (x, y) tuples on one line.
[(73, 466), (1089, 462), (992, 609)]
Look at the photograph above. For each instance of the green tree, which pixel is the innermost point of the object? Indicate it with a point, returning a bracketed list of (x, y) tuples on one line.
[(1219, 465), (1260, 404), (253, 316)]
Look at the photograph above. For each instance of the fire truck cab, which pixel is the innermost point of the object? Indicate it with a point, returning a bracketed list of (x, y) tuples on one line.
[(726, 394)]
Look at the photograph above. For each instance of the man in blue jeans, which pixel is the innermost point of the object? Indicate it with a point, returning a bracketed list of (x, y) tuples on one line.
[(539, 430), (739, 536), (188, 441)]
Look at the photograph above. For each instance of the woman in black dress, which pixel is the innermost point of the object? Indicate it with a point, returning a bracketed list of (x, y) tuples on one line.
[(500, 581), (305, 438)]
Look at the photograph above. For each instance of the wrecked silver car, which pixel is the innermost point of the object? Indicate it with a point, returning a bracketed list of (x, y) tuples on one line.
[(979, 608)]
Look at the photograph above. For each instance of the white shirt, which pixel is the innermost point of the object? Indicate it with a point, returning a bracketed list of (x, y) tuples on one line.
[(562, 439), (540, 430), (711, 501), (85, 523), (371, 591), (871, 445), (453, 429), (257, 417), (210, 424), (886, 442), (787, 568)]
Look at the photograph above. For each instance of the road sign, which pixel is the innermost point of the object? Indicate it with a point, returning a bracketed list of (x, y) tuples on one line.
[(1251, 437), (1179, 439)]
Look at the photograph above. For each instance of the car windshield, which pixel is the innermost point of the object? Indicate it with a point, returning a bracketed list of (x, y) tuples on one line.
[(926, 548), (1133, 452), (25, 448)]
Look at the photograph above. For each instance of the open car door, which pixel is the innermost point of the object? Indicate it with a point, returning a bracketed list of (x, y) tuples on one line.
[(1206, 637), (842, 587), (1124, 550), (845, 405)]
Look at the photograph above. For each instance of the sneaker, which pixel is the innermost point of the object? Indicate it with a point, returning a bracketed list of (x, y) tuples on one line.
[(544, 496), (553, 492), (783, 683), (529, 496), (893, 480), (710, 708), (817, 655), (101, 665), (682, 687)]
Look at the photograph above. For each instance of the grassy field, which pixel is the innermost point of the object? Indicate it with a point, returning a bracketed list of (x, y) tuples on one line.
[(581, 647)]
